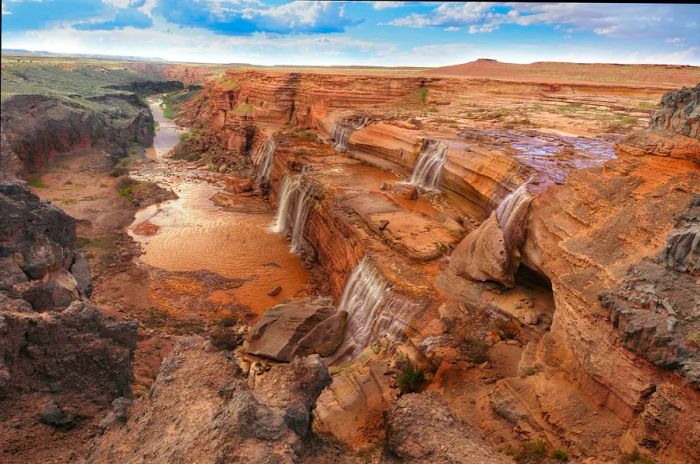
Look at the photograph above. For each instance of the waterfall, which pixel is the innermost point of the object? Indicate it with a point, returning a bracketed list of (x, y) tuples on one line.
[(374, 310), (511, 214), (294, 204), (340, 133), (264, 162), (432, 157), (341, 130)]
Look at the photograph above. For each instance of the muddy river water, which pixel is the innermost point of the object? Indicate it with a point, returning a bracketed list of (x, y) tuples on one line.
[(195, 234)]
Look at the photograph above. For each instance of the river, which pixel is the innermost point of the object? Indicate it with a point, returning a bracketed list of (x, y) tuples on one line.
[(195, 234)]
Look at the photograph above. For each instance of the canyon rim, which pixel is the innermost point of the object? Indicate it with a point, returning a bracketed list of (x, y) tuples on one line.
[(487, 262)]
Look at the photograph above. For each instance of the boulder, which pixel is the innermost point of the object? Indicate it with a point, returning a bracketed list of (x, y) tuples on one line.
[(52, 414), (39, 234), (81, 272), (292, 329)]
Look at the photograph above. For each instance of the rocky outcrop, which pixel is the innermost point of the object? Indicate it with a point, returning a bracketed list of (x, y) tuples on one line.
[(84, 352), (655, 307), (679, 113), (421, 429), (674, 129), (297, 329), (37, 251), (202, 409), (39, 127), (492, 252)]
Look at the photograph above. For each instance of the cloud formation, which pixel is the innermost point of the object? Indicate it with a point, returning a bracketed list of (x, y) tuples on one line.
[(376, 33)]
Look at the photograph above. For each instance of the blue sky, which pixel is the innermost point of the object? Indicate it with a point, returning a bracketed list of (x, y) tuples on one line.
[(359, 33)]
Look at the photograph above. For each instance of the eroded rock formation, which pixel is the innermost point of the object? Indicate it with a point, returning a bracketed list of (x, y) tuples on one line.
[(226, 418)]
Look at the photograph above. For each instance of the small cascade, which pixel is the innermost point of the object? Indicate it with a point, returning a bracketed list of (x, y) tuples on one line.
[(294, 205), (340, 133), (264, 161), (428, 168), (341, 130), (374, 310), (511, 214)]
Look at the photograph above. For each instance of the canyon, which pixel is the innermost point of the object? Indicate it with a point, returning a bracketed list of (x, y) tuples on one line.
[(434, 266)]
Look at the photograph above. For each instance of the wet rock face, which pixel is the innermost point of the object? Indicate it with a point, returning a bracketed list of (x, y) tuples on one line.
[(655, 307), (229, 419), (421, 429)]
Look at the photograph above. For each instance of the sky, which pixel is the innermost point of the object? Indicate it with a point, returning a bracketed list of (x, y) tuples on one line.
[(391, 33)]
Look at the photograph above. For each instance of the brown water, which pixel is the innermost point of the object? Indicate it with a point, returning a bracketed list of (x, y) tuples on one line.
[(167, 132), (196, 234)]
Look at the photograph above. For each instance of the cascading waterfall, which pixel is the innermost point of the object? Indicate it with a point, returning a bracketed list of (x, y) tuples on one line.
[(374, 310), (341, 130), (428, 168), (264, 162), (340, 133), (294, 205), (511, 214)]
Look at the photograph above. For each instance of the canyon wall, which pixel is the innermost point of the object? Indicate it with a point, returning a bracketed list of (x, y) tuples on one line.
[(51, 110), (592, 213)]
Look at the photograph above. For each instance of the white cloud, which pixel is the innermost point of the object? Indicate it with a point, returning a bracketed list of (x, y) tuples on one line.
[(449, 15), (204, 46), (120, 3), (385, 5), (614, 20), (677, 41)]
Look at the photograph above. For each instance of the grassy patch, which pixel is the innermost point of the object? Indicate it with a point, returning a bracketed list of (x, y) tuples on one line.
[(96, 243), (422, 93), (227, 84), (635, 457), (560, 455), (530, 452), (36, 181), (243, 109), (172, 101), (649, 106), (127, 189), (305, 134), (411, 380), (569, 108)]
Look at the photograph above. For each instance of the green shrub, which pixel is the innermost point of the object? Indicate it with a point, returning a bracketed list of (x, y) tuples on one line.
[(560, 455), (119, 170), (531, 452), (36, 181), (411, 380), (423, 95), (126, 189)]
